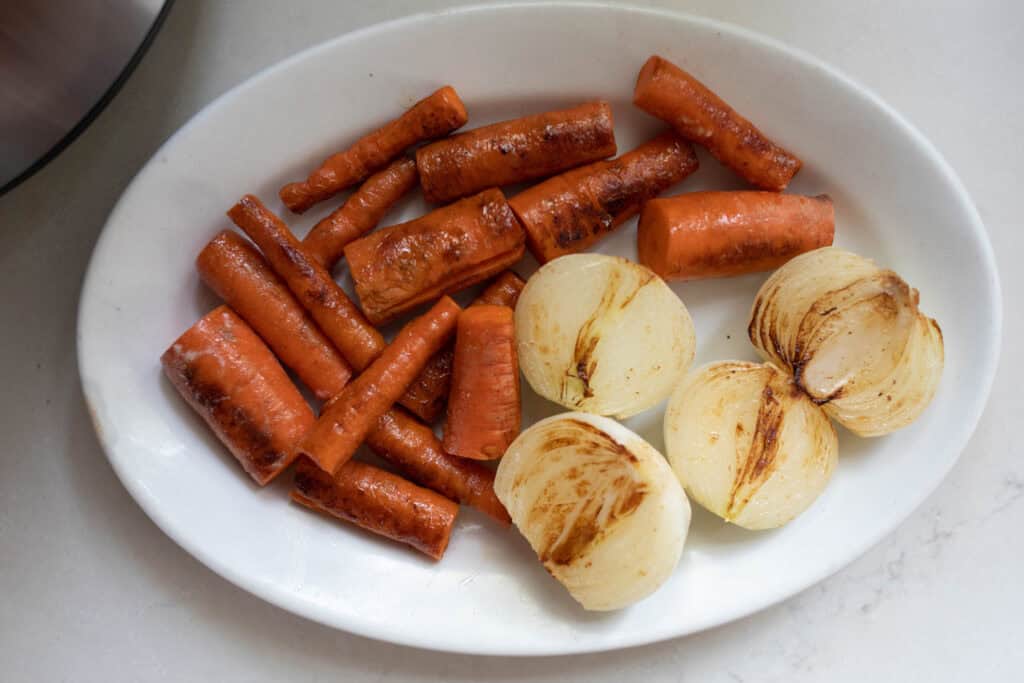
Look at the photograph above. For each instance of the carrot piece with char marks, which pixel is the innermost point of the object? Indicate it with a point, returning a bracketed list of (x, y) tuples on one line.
[(348, 418), (418, 454), (515, 151), (402, 266), (432, 117), (572, 211), (428, 393), (719, 234), (380, 502), (360, 213), (339, 318), (504, 290), (228, 375), (484, 410), (699, 115), (238, 274)]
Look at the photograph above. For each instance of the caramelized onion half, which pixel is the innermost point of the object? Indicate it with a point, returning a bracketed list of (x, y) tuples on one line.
[(598, 504), (853, 338), (748, 444)]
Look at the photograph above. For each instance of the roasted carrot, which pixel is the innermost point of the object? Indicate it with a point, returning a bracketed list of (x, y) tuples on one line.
[(572, 211), (228, 375), (484, 409), (504, 290), (515, 151), (339, 318), (360, 213), (699, 115), (380, 502), (236, 271), (432, 117), (428, 393), (718, 234), (402, 266), (413, 448), (345, 421)]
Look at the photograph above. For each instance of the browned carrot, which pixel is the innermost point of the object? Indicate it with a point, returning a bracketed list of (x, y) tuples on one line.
[(360, 213), (346, 420), (402, 266), (434, 116), (380, 502), (484, 409), (515, 151), (699, 115), (572, 211), (339, 318), (504, 290), (428, 393), (718, 234), (412, 446), (234, 269), (228, 375)]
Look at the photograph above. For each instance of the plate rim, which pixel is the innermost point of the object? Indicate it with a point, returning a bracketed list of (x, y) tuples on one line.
[(285, 600)]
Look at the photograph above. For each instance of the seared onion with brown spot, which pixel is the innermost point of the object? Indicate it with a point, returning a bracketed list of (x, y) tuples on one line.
[(598, 504), (853, 338), (602, 334), (748, 444)]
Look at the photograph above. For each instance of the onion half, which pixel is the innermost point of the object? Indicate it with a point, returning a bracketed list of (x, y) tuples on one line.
[(853, 337), (598, 504), (602, 334), (748, 444)]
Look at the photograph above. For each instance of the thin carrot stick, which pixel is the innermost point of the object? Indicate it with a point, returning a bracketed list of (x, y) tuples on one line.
[(380, 502), (339, 318), (434, 116), (235, 270), (360, 213), (346, 420), (412, 446)]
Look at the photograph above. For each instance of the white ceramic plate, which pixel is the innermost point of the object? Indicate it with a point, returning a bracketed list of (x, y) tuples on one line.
[(897, 201)]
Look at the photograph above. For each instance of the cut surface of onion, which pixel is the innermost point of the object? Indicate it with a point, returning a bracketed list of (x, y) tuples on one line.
[(853, 338), (748, 444), (599, 505), (602, 334)]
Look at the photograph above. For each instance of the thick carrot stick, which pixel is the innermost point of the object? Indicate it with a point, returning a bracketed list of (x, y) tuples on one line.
[(572, 211), (718, 234), (432, 117), (699, 115), (346, 420), (339, 318), (228, 375), (236, 271), (360, 213), (428, 393), (412, 446), (379, 502), (484, 408), (515, 151), (402, 266)]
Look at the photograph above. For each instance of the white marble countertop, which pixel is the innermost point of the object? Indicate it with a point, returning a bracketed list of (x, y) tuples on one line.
[(92, 590)]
